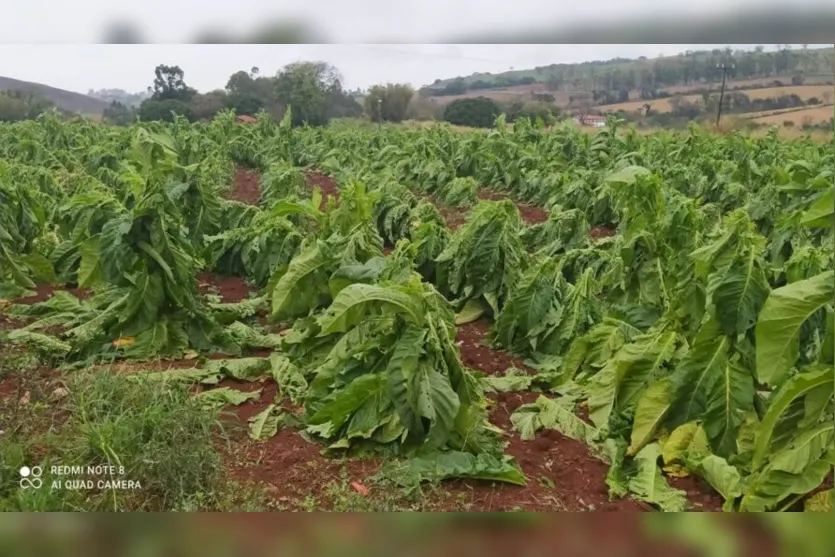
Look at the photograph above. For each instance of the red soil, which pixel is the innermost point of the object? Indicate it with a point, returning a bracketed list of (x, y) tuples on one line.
[(231, 289), (247, 186), (577, 476), (562, 473), (325, 183), (531, 214), (44, 292), (476, 355), (598, 232), (453, 217), (287, 466)]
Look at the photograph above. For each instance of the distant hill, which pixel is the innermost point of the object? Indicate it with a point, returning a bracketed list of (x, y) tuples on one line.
[(119, 95), (687, 69), (64, 100)]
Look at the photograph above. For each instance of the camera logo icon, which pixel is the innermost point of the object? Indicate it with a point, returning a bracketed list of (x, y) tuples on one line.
[(30, 478)]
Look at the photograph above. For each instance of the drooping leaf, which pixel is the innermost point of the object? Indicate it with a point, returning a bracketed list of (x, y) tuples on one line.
[(438, 466), (264, 425), (220, 397), (779, 323), (779, 402), (649, 413), (551, 414), (723, 477), (355, 301), (290, 379), (650, 486), (241, 369)]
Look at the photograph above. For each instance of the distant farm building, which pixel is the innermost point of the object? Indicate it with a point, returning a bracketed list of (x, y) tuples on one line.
[(593, 120), (245, 119)]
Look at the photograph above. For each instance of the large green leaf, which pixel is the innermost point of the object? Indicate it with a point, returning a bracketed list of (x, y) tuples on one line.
[(740, 295), (40, 267), (89, 271), (780, 320), (650, 412), (241, 369), (217, 398), (723, 477), (299, 289), (649, 485), (337, 411), (265, 424), (471, 311), (796, 387), (619, 385), (354, 302), (687, 443), (550, 414), (290, 378), (438, 466), (822, 213), (708, 386)]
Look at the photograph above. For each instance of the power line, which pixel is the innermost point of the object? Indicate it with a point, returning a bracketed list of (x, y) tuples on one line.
[(724, 69)]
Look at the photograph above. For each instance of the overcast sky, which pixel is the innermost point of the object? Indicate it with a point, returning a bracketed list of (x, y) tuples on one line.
[(130, 67)]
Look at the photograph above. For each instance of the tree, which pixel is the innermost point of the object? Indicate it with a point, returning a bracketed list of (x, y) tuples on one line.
[(305, 87), (12, 109), (240, 83), (151, 110), (341, 104), (388, 102), (170, 85), (21, 105), (206, 105), (479, 112), (118, 114)]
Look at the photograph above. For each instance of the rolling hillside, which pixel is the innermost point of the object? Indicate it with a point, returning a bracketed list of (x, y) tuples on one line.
[(665, 72), (65, 100)]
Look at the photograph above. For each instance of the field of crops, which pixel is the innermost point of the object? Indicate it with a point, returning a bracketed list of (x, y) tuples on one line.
[(520, 319)]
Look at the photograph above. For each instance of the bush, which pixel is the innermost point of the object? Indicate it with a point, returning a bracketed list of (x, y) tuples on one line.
[(479, 112), (151, 110), (423, 109), (389, 102), (788, 123)]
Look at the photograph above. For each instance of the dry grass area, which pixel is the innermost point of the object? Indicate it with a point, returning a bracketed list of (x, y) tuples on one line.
[(730, 84), (805, 92), (510, 94), (657, 105), (816, 114)]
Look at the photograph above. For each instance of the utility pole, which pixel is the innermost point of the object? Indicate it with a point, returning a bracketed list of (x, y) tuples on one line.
[(724, 69)]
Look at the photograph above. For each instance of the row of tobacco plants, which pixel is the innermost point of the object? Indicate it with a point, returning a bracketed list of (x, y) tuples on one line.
[(697, 336)]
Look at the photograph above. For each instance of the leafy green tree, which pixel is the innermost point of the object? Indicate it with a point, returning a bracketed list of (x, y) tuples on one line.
[(20, 105), (206, 105), (118, 114), (479, 112), (169, 84), (341, 104), (151, 110), (12, 109), (388, 102), (305, 86)]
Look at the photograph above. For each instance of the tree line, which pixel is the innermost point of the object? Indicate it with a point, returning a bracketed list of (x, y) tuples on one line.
[(620, 74), (21, 105), (314, 90)]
